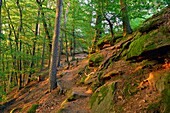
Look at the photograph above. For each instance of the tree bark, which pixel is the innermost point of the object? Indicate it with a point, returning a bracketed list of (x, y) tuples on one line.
[(49, 37), (19, 62), (43, 54), (65, 35), (98, 31), (74, 44), (126, 23), (34, 41), (53, 66), (0, 18), (0, 30)]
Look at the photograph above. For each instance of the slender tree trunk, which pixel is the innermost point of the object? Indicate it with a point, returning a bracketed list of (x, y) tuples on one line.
[(53, 65), (0, 18), (126, 23), (74, 44), (60, 52), (98, 31), (66, 40), (34, 41), (19, 49), (43, 54), (49, 37), (71, 46), (111, 29), (12, 29)]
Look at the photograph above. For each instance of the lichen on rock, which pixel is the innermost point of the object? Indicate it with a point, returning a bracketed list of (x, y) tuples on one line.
[(102, 99)]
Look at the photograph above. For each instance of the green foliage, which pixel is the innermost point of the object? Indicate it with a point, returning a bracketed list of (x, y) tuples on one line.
[(2, 37), (2, 94), (33, 108)]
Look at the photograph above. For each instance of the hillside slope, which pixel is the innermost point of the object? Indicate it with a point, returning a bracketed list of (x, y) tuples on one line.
[(131, 76)]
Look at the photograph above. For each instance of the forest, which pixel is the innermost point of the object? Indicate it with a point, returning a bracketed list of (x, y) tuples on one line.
[(84, 56)]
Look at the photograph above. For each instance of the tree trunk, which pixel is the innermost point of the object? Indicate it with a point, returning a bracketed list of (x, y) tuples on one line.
[(0, 16), (98, 31), (60, 52), (34, 41), (53, 67), (126, 23), (49, 37), (0, 30), (111, 29), (19, 49), (43, 54), (66, 40), (74, 44)]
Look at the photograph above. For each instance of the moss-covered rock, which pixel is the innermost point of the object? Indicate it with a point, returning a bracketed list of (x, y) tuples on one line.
[(108, 40), (104, 40), (163, 85), (154, 34), (148, 42), (33, 108), (95, 60), (102, 99)]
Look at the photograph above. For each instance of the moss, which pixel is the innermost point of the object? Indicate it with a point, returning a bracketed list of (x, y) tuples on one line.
[(154, 108), (129, 89), (126, 90), (62, 110), (95, 60), (136, 47), (71, 98), (164, 102), (82, 79), (166, 94), (99, 75), (95, 85), (103, 40), (147, 42), (102, 100), (33, 108), (99, 95)]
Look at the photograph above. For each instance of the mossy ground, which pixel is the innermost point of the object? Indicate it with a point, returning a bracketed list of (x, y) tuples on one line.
[(95, 60), (102, 100), (33, 108)]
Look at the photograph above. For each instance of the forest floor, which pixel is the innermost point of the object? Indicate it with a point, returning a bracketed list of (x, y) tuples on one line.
[(50, 102)]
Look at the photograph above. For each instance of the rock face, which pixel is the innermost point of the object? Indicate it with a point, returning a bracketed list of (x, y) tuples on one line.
[(152, 39), (102, 99)]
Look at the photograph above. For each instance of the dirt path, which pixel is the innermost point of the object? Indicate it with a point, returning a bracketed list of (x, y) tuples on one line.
[(68, 82)]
